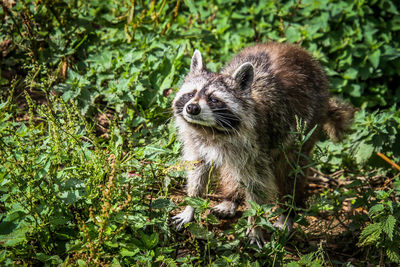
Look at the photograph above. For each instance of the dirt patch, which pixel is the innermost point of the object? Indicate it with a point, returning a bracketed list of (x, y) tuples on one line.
[(328, 232)]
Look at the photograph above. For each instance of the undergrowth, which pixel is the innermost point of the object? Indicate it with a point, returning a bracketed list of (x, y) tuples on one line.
[(89, 161)]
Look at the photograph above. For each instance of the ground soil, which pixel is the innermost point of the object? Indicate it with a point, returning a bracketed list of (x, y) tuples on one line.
[(331, 233)]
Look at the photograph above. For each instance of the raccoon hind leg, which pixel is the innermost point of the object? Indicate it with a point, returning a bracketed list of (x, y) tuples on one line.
[(294, 185)]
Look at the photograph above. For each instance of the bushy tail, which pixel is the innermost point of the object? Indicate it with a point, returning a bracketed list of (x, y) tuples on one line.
[(340, 117)]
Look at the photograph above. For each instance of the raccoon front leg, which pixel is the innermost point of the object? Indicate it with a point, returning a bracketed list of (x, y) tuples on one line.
[(196, 185), (232, 195), (184, 217)]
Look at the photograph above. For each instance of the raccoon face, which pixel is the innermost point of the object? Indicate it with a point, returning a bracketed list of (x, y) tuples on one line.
[(212, 100)]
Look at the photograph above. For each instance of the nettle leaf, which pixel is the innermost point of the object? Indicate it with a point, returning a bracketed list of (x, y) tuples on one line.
[(376, 209), (22, 130), (293, 34), (196, 202), (163, 204), (192, 6), (382, 195), (393, 254), (198, 231), (150, 241), (363, 152), (48, 259), (211, 218), (355, 90), (370, 234), (17, 236), (81, 263), (374, 58), (133, 56), (129, 253), (388, 226), (350, 74), (249, 212), (167, 82)]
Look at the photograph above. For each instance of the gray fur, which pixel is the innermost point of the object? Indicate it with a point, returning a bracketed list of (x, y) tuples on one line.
[(248, 112)]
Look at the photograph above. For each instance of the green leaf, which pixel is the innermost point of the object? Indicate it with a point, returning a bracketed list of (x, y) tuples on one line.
[(388, 226), (249, 212), (167, 82), (293, 34), (48, 259), (255, 205), (374, 58), (150, 241), (370, 234), (363, 152), (196, 202), (192, 6), (3, 255), (376, 209), (350, 74), (115, 263), (129, 253), (198, 231), (4, 104), (22, 130), (81, 263), (393, 254), (306, 137), (163, 204), (211, 218), (355, 90)]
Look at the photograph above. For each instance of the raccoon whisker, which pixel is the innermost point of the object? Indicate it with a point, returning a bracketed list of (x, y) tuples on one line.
[(167, 121), (221, 121), (224, 119), (227, 115), (169, 112), (212, 129), (223, 113), (227, 118), (231, 118)]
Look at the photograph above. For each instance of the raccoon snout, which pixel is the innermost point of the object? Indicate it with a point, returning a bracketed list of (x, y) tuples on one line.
[(193, 109)]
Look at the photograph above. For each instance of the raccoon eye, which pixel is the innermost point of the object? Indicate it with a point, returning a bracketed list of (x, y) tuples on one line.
[(213, 100)]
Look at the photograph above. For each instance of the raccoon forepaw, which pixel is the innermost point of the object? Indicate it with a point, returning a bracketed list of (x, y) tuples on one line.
[(183, 218), (256, 237), (226, 209)]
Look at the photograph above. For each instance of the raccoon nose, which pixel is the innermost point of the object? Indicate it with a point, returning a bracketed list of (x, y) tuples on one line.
[(193, 109)]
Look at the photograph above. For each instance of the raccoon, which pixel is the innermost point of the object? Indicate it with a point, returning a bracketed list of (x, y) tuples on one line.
[(240, 122)]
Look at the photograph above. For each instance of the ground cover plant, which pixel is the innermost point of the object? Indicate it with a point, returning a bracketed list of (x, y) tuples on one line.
[(89, 162)]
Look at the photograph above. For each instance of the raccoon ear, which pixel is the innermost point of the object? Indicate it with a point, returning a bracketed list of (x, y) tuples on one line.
[(197, 62), (244, 76)]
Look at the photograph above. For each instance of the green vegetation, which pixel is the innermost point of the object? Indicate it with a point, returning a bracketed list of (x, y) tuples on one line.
[(89, 161)]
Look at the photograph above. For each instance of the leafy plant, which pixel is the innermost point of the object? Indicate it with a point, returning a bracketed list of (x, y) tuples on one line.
[(89, 159), (371, 133), (382, 231)]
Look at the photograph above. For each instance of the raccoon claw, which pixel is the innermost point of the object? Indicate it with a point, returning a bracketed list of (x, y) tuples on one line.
[(284, 223), (256, 237), (226, 209), (183, 218)]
